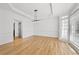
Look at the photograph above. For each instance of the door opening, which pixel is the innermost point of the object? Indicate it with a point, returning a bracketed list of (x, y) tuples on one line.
[(17, 32), (14, 31)]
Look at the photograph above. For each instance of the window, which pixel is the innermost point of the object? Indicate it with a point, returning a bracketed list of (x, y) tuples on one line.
[(64, 28)]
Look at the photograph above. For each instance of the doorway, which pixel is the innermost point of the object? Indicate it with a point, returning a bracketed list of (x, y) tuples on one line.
[(17, 32)]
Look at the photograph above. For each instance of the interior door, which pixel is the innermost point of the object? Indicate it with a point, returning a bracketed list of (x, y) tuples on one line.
[(14, 30), (19, 30)]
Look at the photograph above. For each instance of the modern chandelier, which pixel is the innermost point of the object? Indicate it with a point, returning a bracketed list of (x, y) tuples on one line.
[(35, 16)]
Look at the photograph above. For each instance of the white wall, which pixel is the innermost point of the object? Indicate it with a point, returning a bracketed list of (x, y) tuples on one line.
[(47, 27), (6, 25), (27, 26), (27, 29)]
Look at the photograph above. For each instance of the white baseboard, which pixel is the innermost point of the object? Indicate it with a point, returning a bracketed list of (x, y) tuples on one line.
[(46, 36), (6, 42)]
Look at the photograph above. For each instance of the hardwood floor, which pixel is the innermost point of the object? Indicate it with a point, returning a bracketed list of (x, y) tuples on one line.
[(37, 45)]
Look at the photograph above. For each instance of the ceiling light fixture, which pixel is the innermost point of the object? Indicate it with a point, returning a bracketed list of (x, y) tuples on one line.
[(35, 16)]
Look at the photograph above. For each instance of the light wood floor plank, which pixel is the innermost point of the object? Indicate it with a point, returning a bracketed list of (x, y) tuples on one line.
[(37, 45)]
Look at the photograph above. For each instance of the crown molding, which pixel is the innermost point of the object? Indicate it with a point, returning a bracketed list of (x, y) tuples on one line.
[(19, 11), (74, 10)]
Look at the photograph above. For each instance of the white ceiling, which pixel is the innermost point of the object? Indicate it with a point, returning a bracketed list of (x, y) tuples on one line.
[(4, 6), (28, 8), (44, 10), (60, 9)]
